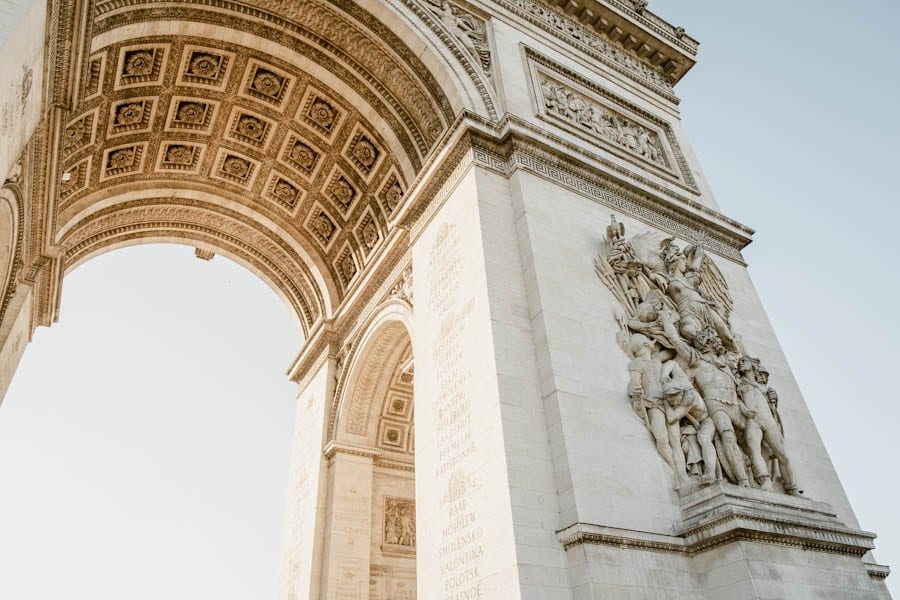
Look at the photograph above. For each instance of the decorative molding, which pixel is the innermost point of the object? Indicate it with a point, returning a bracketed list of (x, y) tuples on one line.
[(597, 45), (721, 514), (598, 114), (202, 222), (879, 572), (514, 144)]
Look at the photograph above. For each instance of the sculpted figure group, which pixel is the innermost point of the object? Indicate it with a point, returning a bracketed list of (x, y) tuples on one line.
[(706, 403), (613, 128)]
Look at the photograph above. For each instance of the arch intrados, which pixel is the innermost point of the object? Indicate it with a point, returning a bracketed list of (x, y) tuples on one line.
[(84, 208), (146, 216), (391, 327), (247, 41), (12, 208)]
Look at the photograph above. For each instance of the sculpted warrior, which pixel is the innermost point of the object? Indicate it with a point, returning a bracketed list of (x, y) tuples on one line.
[(707, 408), (763, 428), (646, 393), (712, 374)]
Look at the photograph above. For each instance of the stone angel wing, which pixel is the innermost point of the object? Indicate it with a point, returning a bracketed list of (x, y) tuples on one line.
[(713, 286), (645, 248)]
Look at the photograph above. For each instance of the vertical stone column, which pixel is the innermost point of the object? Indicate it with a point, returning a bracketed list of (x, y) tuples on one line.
[(349, 530), (307, 494), (15, 333), (486, 501)]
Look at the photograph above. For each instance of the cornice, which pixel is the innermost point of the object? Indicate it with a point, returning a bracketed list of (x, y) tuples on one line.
[(719, 515), (878, 571), (515, 144), (636, 44)]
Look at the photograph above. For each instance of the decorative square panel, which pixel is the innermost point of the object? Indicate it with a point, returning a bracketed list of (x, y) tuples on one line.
[(249, 128), (140, 65), (398, 405), (134, 115), (301, 156), (367, 232), (320, 113), (362, 152), (392, 434), (205, 67), (80, 133), (283, 190), (235, 168), (266, 83), (93, 81), (190, 114), (322, 226), (179, 156), (391, 194), (123, 160), (345, 265), (77, 181), (341, 190), (399, 538)]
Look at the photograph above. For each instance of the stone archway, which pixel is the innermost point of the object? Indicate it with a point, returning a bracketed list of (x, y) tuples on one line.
[(371, 455), (286, 136)]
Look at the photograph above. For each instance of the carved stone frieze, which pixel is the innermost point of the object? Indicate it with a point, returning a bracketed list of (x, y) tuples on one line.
[(594, 43), (567, 98), (572, 106)]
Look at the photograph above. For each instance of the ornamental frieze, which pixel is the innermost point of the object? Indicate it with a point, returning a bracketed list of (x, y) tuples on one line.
[(580, 105)]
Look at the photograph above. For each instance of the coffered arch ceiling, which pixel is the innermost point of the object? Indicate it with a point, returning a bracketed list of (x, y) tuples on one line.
[(284, 134)]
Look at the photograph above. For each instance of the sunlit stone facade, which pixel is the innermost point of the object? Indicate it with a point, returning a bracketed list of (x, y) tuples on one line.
[(534, 364)]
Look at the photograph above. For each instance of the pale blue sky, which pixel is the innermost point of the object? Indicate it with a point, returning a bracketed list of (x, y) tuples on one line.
[(144, 441)]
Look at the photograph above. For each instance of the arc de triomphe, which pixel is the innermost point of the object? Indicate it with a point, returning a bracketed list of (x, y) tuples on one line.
[(534, 364)]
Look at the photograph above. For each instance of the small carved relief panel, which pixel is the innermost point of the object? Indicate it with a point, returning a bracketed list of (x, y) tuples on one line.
[(568, 100), (399, 527)]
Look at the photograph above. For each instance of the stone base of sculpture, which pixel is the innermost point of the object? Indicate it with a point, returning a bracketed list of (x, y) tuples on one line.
[(731, 543)]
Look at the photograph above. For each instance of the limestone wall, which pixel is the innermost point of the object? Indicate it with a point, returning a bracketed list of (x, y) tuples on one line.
[(21, 81)]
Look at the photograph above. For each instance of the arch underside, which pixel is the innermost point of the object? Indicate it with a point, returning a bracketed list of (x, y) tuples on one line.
[(374, 402), (284, 134)]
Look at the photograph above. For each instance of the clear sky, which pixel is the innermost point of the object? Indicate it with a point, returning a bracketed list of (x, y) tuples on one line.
[(144, 441)]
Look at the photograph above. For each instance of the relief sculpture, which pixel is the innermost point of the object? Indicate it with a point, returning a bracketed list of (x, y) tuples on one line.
[(465, 27), (611, 127), (399, 526), (705, 402)]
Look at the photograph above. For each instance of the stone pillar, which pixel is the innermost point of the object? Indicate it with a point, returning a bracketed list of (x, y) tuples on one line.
[(349, 527), (307, 494), (15, 334), (485, 492)]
